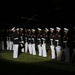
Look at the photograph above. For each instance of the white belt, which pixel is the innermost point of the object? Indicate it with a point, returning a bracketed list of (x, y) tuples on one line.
[(64, 41), (15, 38), (51, 39), (38, 39), (57, 40)]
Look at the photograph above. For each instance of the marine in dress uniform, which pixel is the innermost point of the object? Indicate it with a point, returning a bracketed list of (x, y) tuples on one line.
[(11, 39), (66, 45), (22, 40), (73, 46), (33, 42), (12, 34), (26, 40), (39, 41), (15, 43), (29, 41), (52, 39), (7, 40), (58, 43), (44, 41)]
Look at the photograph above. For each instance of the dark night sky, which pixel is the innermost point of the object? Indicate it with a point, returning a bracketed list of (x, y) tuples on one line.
[(52, 12)]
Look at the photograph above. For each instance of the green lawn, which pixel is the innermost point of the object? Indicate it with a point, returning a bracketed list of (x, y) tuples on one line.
[(36, 60), (27, 64), (23, 57)]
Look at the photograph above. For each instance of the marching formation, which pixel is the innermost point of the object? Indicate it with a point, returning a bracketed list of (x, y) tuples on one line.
[(33, 40)]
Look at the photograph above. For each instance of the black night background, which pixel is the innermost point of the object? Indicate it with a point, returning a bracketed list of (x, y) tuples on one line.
[(34, 14), (48, 13)]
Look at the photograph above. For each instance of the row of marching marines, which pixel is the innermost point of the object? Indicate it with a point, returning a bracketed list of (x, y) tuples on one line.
[(27, 39)]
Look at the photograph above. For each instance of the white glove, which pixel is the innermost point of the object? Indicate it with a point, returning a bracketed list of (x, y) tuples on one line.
[(38, 39), (51, 39), (57, 40), (32, 38), (43, 39)]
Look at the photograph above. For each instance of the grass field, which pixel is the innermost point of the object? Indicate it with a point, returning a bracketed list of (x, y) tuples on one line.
[(27, 63)]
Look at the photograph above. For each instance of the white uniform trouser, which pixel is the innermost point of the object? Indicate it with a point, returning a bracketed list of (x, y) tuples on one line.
[(22, 49), (11, 45), (30, 48), (26, 47), (58, 52), (33, 49), (15, 50), (2, 45), (67, 54), (44, 54), (52, 52), (40, 49)]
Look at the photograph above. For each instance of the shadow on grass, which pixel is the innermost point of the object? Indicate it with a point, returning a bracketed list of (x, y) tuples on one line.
[(41, 67)]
